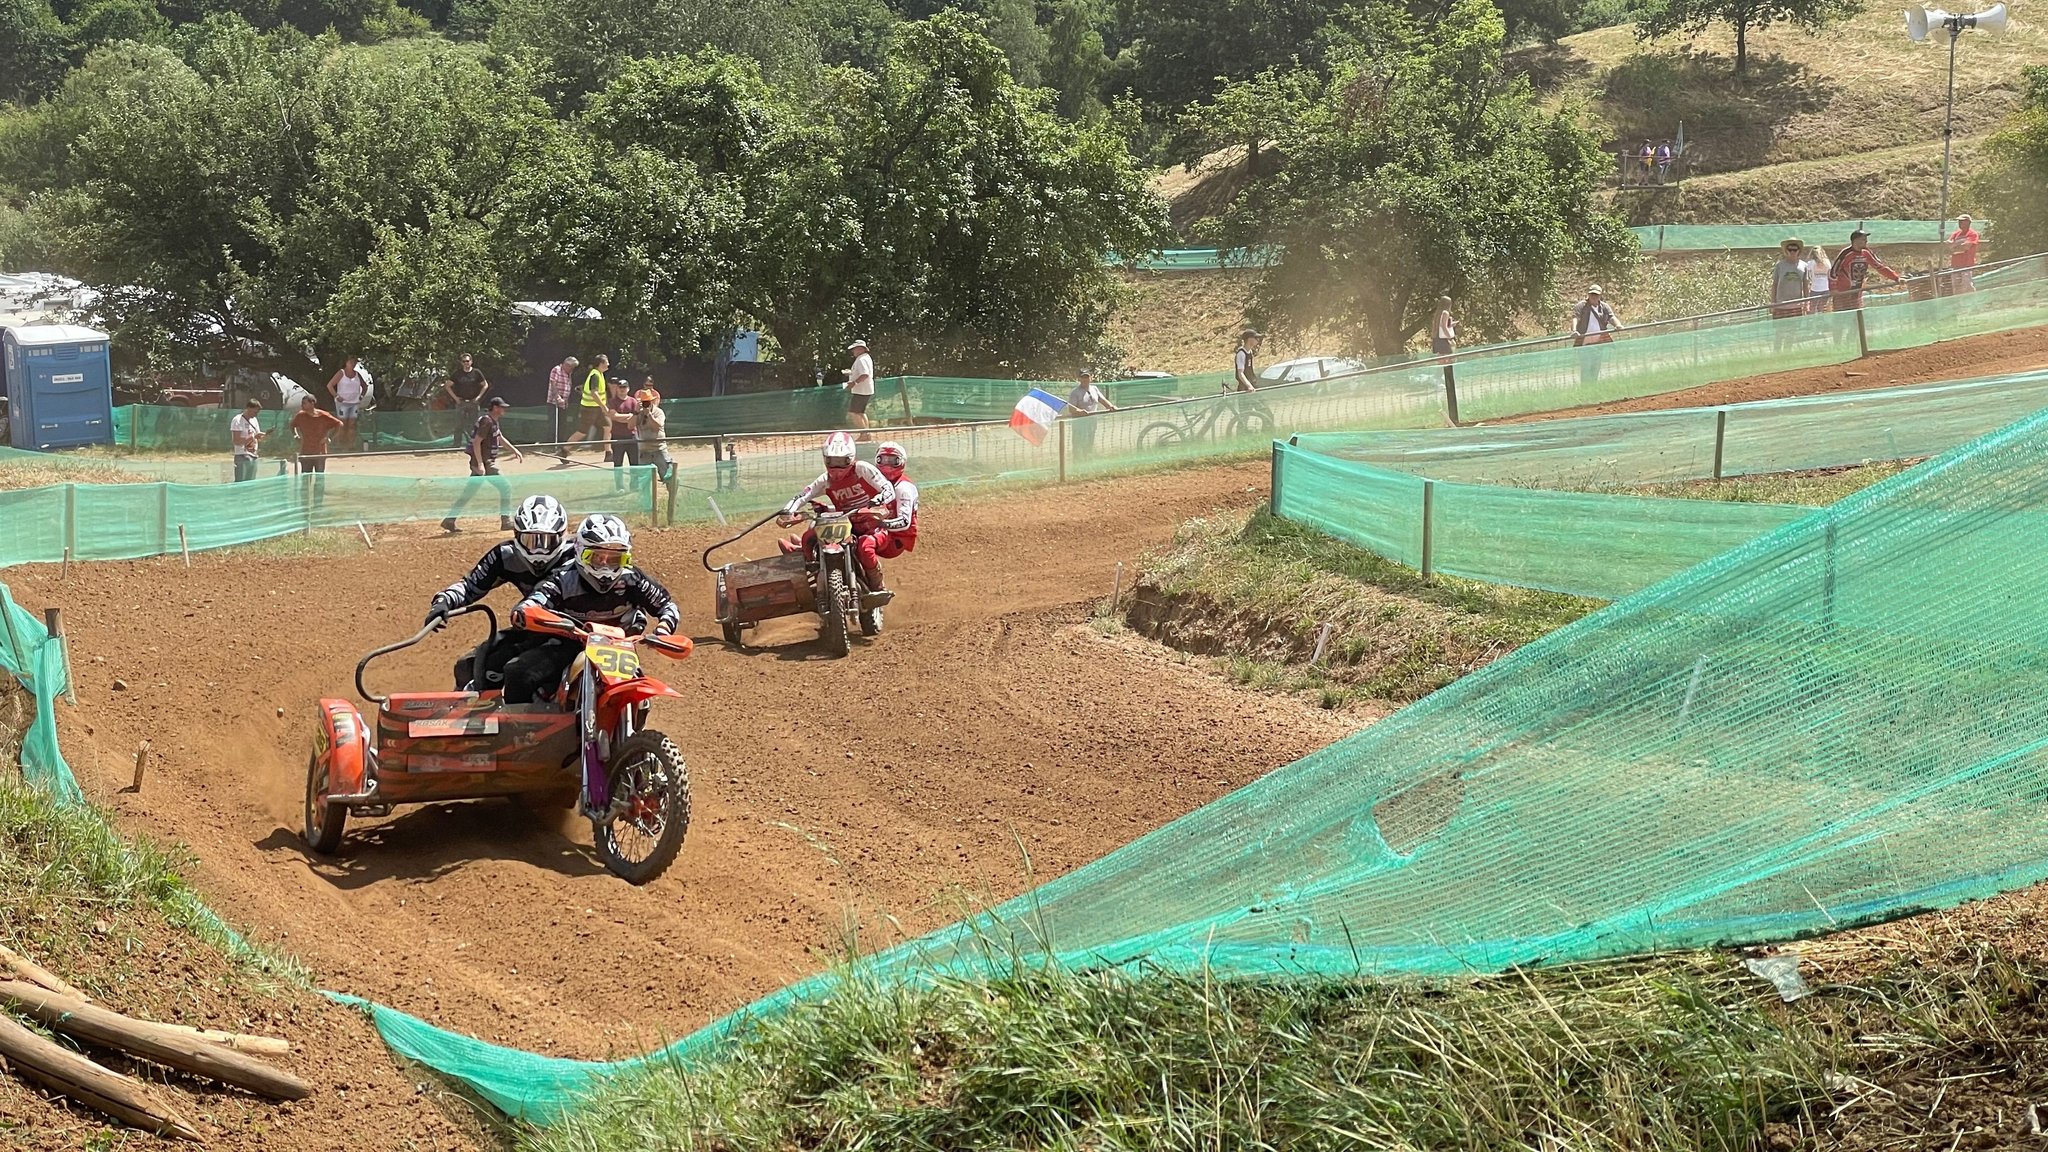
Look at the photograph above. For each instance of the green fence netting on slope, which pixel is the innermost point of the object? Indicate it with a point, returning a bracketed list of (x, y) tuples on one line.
[(1395, 493), (1827, 234)]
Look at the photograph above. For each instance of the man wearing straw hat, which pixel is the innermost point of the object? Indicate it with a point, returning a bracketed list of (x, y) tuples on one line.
[(860, 384)]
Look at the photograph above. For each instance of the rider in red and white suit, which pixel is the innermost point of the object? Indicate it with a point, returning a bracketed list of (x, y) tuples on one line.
[(899, 520), (847, 485)]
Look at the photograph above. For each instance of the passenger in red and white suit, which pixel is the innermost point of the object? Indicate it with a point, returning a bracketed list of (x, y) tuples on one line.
[(899, 520), (846, 485)]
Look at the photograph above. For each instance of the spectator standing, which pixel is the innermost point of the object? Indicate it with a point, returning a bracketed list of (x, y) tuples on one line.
[(1443, 330), (1962, 257), (860, 384), (313, 427), (486, 440), (466, 386), (1646, 161), (1817, 270), (1593, 324), (1664, 157), (625, 413), (650, 428), (246, 436), (1086, 400), (1244, 371), (1788, 288), (561, 385), (347, 388), (1852, 267), (592, 419)]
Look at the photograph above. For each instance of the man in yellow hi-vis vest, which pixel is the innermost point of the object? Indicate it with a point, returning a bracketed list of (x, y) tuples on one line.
[(593, 415)]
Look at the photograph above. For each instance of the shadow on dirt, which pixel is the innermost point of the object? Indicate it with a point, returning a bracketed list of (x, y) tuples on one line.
[(436, 839)]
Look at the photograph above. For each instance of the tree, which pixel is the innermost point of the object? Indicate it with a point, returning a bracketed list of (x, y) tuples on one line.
[(2012, 185), (1416, 169), (278, 202), (98, 22), (933, 204), (1690, 17), (34, 49), (1185, 51), (1075, 61), (575, 45)]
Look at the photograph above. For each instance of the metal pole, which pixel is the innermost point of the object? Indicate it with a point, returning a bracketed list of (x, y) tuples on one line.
[(1948, 128), (1862, 337), (1720, 437), (1428, 525), (53, 619), (1060, 428), (70, 518), (163, 517)]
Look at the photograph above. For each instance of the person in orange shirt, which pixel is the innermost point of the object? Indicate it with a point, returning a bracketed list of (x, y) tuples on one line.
[(313, 427)]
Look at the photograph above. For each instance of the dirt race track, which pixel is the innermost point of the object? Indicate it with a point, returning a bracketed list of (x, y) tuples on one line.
[(988, 715), (990, 720)]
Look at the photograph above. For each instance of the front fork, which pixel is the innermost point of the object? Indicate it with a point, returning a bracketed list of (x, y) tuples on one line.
[(598, 744)]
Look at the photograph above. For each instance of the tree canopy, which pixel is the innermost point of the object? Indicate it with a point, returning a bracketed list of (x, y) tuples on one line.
[(280, 201), (1417, 168), (1690, 17), (2012, 184)]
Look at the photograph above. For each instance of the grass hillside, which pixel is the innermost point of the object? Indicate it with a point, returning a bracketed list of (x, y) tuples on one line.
[(1841, 125)]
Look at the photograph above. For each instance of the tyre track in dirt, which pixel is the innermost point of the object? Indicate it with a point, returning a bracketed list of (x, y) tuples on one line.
[(989, 721)]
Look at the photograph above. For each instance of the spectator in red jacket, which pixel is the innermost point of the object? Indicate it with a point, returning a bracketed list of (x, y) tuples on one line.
[(1852, 265)]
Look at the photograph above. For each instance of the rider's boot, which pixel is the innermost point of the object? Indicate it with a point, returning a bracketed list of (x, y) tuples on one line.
[(877, 594)]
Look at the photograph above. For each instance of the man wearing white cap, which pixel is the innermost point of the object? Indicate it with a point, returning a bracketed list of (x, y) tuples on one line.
[(860, 384)]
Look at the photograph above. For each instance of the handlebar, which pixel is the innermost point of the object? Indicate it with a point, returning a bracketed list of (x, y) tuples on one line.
[(429, 629), (550, 623)]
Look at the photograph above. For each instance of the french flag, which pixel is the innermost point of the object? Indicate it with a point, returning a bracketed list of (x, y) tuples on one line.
[(1035, 414)]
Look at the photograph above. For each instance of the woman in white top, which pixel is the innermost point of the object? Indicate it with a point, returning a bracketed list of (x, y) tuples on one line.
[(1817, 271), (1443, 332), (346, 387)]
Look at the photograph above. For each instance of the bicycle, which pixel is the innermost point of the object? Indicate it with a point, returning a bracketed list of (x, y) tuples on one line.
[(1249, 417)]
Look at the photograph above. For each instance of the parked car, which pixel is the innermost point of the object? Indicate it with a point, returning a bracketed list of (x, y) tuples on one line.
[(1307, 368)]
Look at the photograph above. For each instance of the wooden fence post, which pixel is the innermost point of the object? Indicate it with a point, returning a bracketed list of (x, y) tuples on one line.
[(1720, 438), (1451, 392)]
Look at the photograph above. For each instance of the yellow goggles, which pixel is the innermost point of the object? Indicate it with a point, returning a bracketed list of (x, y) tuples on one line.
[(607, 559)]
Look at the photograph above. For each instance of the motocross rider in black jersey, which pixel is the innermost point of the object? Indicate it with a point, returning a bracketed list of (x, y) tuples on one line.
[(539, 545), (600, 587)]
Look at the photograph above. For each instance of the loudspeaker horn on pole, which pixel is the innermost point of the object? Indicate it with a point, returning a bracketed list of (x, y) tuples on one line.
[(1919, 21), (1992, 19)]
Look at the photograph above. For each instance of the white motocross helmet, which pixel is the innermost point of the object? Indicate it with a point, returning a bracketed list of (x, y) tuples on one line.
[(604, 550), (838, 451), (540, 532)]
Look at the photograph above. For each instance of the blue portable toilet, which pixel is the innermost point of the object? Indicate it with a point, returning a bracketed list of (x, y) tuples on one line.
[(60, 386)]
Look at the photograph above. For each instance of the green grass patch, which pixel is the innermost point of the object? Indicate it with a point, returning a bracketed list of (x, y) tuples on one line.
[(1686, 1054), (1256, 591), (1817, 488)]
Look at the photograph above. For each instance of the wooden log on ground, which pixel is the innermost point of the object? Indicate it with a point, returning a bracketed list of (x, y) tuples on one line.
[(36, 974), (71, 1075), (239, 1041), (150, 1041)]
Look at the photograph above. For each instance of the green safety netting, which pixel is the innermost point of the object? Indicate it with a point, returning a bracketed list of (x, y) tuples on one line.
[(128, 521), (1487, 500), (1828, 234)]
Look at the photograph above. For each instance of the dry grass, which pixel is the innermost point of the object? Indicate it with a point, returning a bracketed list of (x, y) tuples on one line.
[(1857, 108), (1188, 321), (16, 476)]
